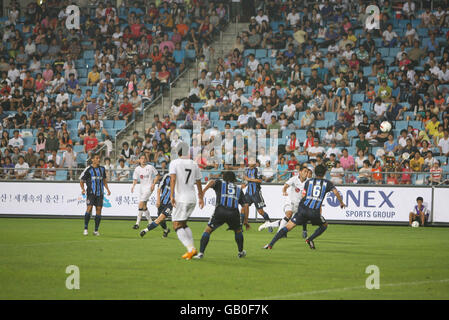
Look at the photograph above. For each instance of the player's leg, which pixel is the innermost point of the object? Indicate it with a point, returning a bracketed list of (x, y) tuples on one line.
[(154, 224), (322, 227), (181, 213), (282, 233), (233, 223), (87, 216), (97, 219), (422, 216), (304, 230), (204, 241), (411, 217), (139, 215), (146, 212)]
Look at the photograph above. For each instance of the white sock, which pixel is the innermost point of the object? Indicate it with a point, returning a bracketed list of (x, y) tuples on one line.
[(190, 237), (182, 236), (282, 224), (139, 217), (147, 215)]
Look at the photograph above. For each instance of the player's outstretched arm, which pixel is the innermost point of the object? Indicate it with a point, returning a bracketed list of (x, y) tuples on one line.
[(83, 191), (340, 199), (172, 189), (105, 182), (200, 194), (209, 185), (284, 190)]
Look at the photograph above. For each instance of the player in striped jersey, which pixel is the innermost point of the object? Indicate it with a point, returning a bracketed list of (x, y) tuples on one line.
[(310, 207), (228, 198), (164, 207), (295, 187), (253, 193), (94, 176)]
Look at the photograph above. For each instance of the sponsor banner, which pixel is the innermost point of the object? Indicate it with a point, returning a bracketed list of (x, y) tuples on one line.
[(365, 203), (440, 205), (370, 203)]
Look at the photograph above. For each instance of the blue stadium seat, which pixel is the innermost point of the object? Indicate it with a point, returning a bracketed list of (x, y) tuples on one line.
[(119, 124), (415, 124)]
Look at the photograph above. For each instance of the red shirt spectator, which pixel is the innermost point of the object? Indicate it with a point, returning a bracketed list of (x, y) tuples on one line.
[(292, 163), (126, 109), (90, 142)]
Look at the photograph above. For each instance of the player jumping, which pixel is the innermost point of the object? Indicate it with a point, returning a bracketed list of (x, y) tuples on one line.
[(148, 177), (164, 207), (95, 178), (309, 207), (253, 193), (296, 190), (184, 175), (228, 198)]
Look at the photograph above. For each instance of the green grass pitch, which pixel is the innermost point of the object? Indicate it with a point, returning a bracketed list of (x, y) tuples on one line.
[(34, 254)]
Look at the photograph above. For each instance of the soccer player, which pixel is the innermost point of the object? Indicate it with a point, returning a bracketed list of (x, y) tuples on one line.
[(253, 193), (164, 207), (296, 190), (310, 207), (184, 175), (419, 212), (148, 177), (95, 178), (228, 198)]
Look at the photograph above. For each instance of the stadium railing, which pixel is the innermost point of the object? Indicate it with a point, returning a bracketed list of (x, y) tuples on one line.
[(125, 175)]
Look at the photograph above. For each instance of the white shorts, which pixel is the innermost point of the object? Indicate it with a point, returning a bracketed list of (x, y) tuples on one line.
[(145, 195), (290, 206), (182, 211)]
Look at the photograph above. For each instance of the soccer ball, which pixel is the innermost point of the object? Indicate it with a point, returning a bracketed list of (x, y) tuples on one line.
[(385, 126), (415, 224)]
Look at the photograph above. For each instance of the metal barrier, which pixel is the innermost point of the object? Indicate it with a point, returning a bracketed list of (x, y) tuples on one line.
[(125, 174)]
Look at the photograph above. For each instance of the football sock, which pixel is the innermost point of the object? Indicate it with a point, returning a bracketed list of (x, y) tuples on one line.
[(97, 221), (190, 237), (139, 216), (283, 223), (182, 236), (317, 232), (147, 215), (304, 227), (204, 241), (86, 219), (163, 225), (281, 233), (266, 217), (152, 225), (242, 217), (239, 240)]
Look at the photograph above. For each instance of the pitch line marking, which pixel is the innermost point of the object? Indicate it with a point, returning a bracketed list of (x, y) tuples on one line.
[(352, 288)]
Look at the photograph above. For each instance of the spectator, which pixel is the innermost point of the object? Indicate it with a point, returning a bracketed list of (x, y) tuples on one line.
[(52, 142), (21, 169)]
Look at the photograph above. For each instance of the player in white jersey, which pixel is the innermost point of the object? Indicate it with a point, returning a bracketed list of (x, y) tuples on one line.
[(148, 177), (296, 191), (184, 175)]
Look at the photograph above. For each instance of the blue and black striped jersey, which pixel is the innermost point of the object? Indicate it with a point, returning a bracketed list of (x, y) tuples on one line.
[(164, 186), (228, 195), (253, 187), (316, 189), (94, 179)]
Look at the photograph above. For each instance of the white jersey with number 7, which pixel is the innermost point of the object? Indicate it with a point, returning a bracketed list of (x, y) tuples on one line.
[(187, 173)]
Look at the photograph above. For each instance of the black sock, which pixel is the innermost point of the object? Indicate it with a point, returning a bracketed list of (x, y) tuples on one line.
[(204, 241), (266, 217), (163, 224), (317, 232), (97, 221), (86, 219), (152, 226), (304, 227), (286, 219), (242, 217), (239, 239), (281, 233)]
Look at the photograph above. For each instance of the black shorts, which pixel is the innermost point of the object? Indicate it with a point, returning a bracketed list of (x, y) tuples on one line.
[(165, 209), (255, 198), (225, 215), (305, 214), (93, 200)]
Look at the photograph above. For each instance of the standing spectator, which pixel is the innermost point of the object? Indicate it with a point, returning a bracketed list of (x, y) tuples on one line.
[(52, 142)]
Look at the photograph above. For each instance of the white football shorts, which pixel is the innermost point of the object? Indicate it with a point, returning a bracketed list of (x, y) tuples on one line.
[(182, 211), (145, 194), (290, 206)]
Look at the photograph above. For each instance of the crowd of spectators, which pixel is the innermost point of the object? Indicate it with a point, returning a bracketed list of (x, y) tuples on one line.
[(314, 72), (70, 90)]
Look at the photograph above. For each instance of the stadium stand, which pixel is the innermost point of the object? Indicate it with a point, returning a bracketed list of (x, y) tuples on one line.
[(305, 67)]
